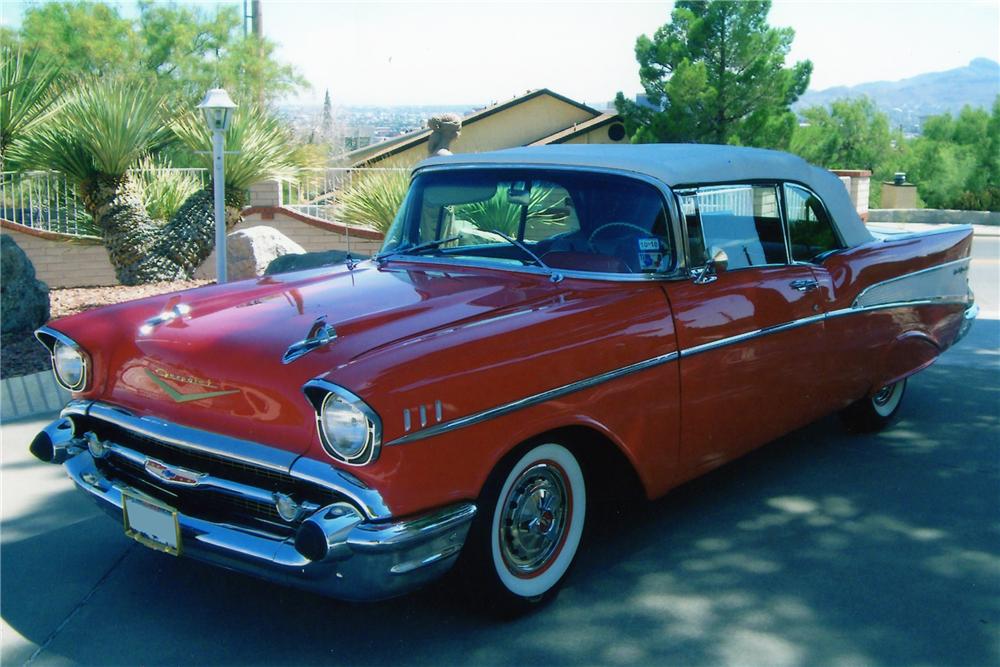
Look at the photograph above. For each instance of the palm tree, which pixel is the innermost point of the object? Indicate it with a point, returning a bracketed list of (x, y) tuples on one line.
[(27, 94)]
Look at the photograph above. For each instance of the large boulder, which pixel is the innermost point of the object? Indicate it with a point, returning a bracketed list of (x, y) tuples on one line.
[(250, 251), (24, 300), (310, 260)]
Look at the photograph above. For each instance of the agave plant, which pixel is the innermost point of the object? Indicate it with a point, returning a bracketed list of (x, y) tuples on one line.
[(373, 199), (28, 94), (163, 189)]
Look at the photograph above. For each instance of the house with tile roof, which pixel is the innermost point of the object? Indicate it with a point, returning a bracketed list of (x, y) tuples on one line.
[(536, 118)]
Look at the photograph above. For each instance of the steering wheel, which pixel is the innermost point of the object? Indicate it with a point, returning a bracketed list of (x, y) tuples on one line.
[(593, 234)]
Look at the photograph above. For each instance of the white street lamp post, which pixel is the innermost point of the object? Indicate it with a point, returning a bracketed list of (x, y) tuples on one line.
[(218, 109)]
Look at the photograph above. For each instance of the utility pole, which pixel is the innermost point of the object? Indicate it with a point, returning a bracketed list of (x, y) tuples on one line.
[(258, 33)]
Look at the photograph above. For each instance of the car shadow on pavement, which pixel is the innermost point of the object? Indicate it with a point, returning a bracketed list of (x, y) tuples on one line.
[(820, 548)]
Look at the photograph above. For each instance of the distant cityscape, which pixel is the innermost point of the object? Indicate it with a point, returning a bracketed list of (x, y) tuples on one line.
[(351, 127)]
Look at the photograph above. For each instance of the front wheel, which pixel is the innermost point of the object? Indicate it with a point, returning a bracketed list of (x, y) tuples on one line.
[(874, 413), (533, 509)]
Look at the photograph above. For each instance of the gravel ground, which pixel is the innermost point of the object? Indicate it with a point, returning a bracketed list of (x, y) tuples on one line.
[(21, 354)]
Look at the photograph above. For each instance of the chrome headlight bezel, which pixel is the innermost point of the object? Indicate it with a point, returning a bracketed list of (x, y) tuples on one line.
[(325, 395), (56, 343)]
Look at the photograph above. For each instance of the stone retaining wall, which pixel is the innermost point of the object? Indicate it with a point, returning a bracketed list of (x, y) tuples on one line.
[(933, 216)]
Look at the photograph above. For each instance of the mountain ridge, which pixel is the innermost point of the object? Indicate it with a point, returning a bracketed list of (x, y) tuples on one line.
[(908, 100)]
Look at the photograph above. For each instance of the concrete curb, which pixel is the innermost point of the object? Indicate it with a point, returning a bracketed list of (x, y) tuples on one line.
[(31, 396)]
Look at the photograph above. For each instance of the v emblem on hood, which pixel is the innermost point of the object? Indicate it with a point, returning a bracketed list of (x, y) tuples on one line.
[(184, 398)]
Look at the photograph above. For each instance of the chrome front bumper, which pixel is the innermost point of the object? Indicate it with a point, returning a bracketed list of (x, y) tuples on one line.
[(370, 559)]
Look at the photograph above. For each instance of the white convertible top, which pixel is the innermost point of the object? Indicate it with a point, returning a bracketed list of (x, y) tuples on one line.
[(686, 164)]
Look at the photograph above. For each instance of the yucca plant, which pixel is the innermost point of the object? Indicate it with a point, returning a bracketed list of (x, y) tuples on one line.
[(100, 131), (28, 94), (373, 199), (163, 189), (258, 147), (500, 214)]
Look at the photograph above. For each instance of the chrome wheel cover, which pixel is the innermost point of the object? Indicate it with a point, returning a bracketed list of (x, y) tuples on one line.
[(534, 519), (886, 399)]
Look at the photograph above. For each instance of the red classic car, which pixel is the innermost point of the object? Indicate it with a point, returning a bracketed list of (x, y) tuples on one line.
[(541, 324)]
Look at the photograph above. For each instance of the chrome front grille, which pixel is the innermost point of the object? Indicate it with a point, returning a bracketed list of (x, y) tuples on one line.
[(235, 491)]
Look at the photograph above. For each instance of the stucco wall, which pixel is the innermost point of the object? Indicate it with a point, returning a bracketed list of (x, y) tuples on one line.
[(66, 261), (61, 260), (515, 126)]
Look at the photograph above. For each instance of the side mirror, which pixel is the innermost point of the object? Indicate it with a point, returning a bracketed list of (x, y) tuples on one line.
[(717, 263)]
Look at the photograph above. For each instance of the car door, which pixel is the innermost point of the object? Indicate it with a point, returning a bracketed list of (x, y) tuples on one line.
[(750, 337)]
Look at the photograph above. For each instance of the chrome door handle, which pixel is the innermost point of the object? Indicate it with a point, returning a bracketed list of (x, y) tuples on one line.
[(804, 285)]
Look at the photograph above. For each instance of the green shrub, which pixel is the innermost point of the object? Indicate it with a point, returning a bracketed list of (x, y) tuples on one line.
[(373, 199)]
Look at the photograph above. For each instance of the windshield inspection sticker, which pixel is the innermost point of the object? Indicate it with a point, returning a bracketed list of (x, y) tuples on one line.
[(650, 255)]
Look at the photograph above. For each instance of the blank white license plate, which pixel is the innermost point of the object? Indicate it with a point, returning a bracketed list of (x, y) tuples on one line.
[(151, 523)]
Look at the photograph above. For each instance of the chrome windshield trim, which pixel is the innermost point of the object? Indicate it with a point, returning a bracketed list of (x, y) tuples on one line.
[(465, 262), (678, 272), (535, 399), (242, 451)]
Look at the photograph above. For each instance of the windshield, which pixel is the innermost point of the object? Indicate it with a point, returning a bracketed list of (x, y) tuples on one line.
[(569, 220)]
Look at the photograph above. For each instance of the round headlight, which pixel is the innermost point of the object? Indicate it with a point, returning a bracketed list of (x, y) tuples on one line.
[(69, 365), (347, 431)]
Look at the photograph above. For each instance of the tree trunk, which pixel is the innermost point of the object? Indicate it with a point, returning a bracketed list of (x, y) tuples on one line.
[(143, 251)]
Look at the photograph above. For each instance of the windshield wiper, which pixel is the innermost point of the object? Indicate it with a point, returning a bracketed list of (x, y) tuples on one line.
[(554, 275), (416, 249)]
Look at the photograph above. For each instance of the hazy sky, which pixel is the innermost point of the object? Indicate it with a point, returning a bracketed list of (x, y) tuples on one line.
[(476, 52)]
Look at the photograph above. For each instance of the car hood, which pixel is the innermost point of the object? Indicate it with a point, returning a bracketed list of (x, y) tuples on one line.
[(217, 364)]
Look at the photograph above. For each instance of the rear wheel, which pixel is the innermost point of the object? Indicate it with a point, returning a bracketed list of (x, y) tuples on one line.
[(532, 513), (875, 412)]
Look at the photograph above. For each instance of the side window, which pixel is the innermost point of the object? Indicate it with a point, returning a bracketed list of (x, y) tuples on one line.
[(742, 220), (810, 230)]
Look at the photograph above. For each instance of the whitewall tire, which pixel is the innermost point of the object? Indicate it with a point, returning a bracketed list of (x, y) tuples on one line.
[(875, 412), (531, 518)]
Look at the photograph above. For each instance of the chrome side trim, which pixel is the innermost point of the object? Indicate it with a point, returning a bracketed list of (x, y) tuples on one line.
[(242, 451), (940, 301), (535, 399), (749, 335), (889, 231), (919, 285)]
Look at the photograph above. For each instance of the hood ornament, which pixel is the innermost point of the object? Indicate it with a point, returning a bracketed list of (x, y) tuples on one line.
[(320, 334), (179, 310)]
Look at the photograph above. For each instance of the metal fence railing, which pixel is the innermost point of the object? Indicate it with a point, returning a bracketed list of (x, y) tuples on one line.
[(316, 192), (47, 201), (42, 200)]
